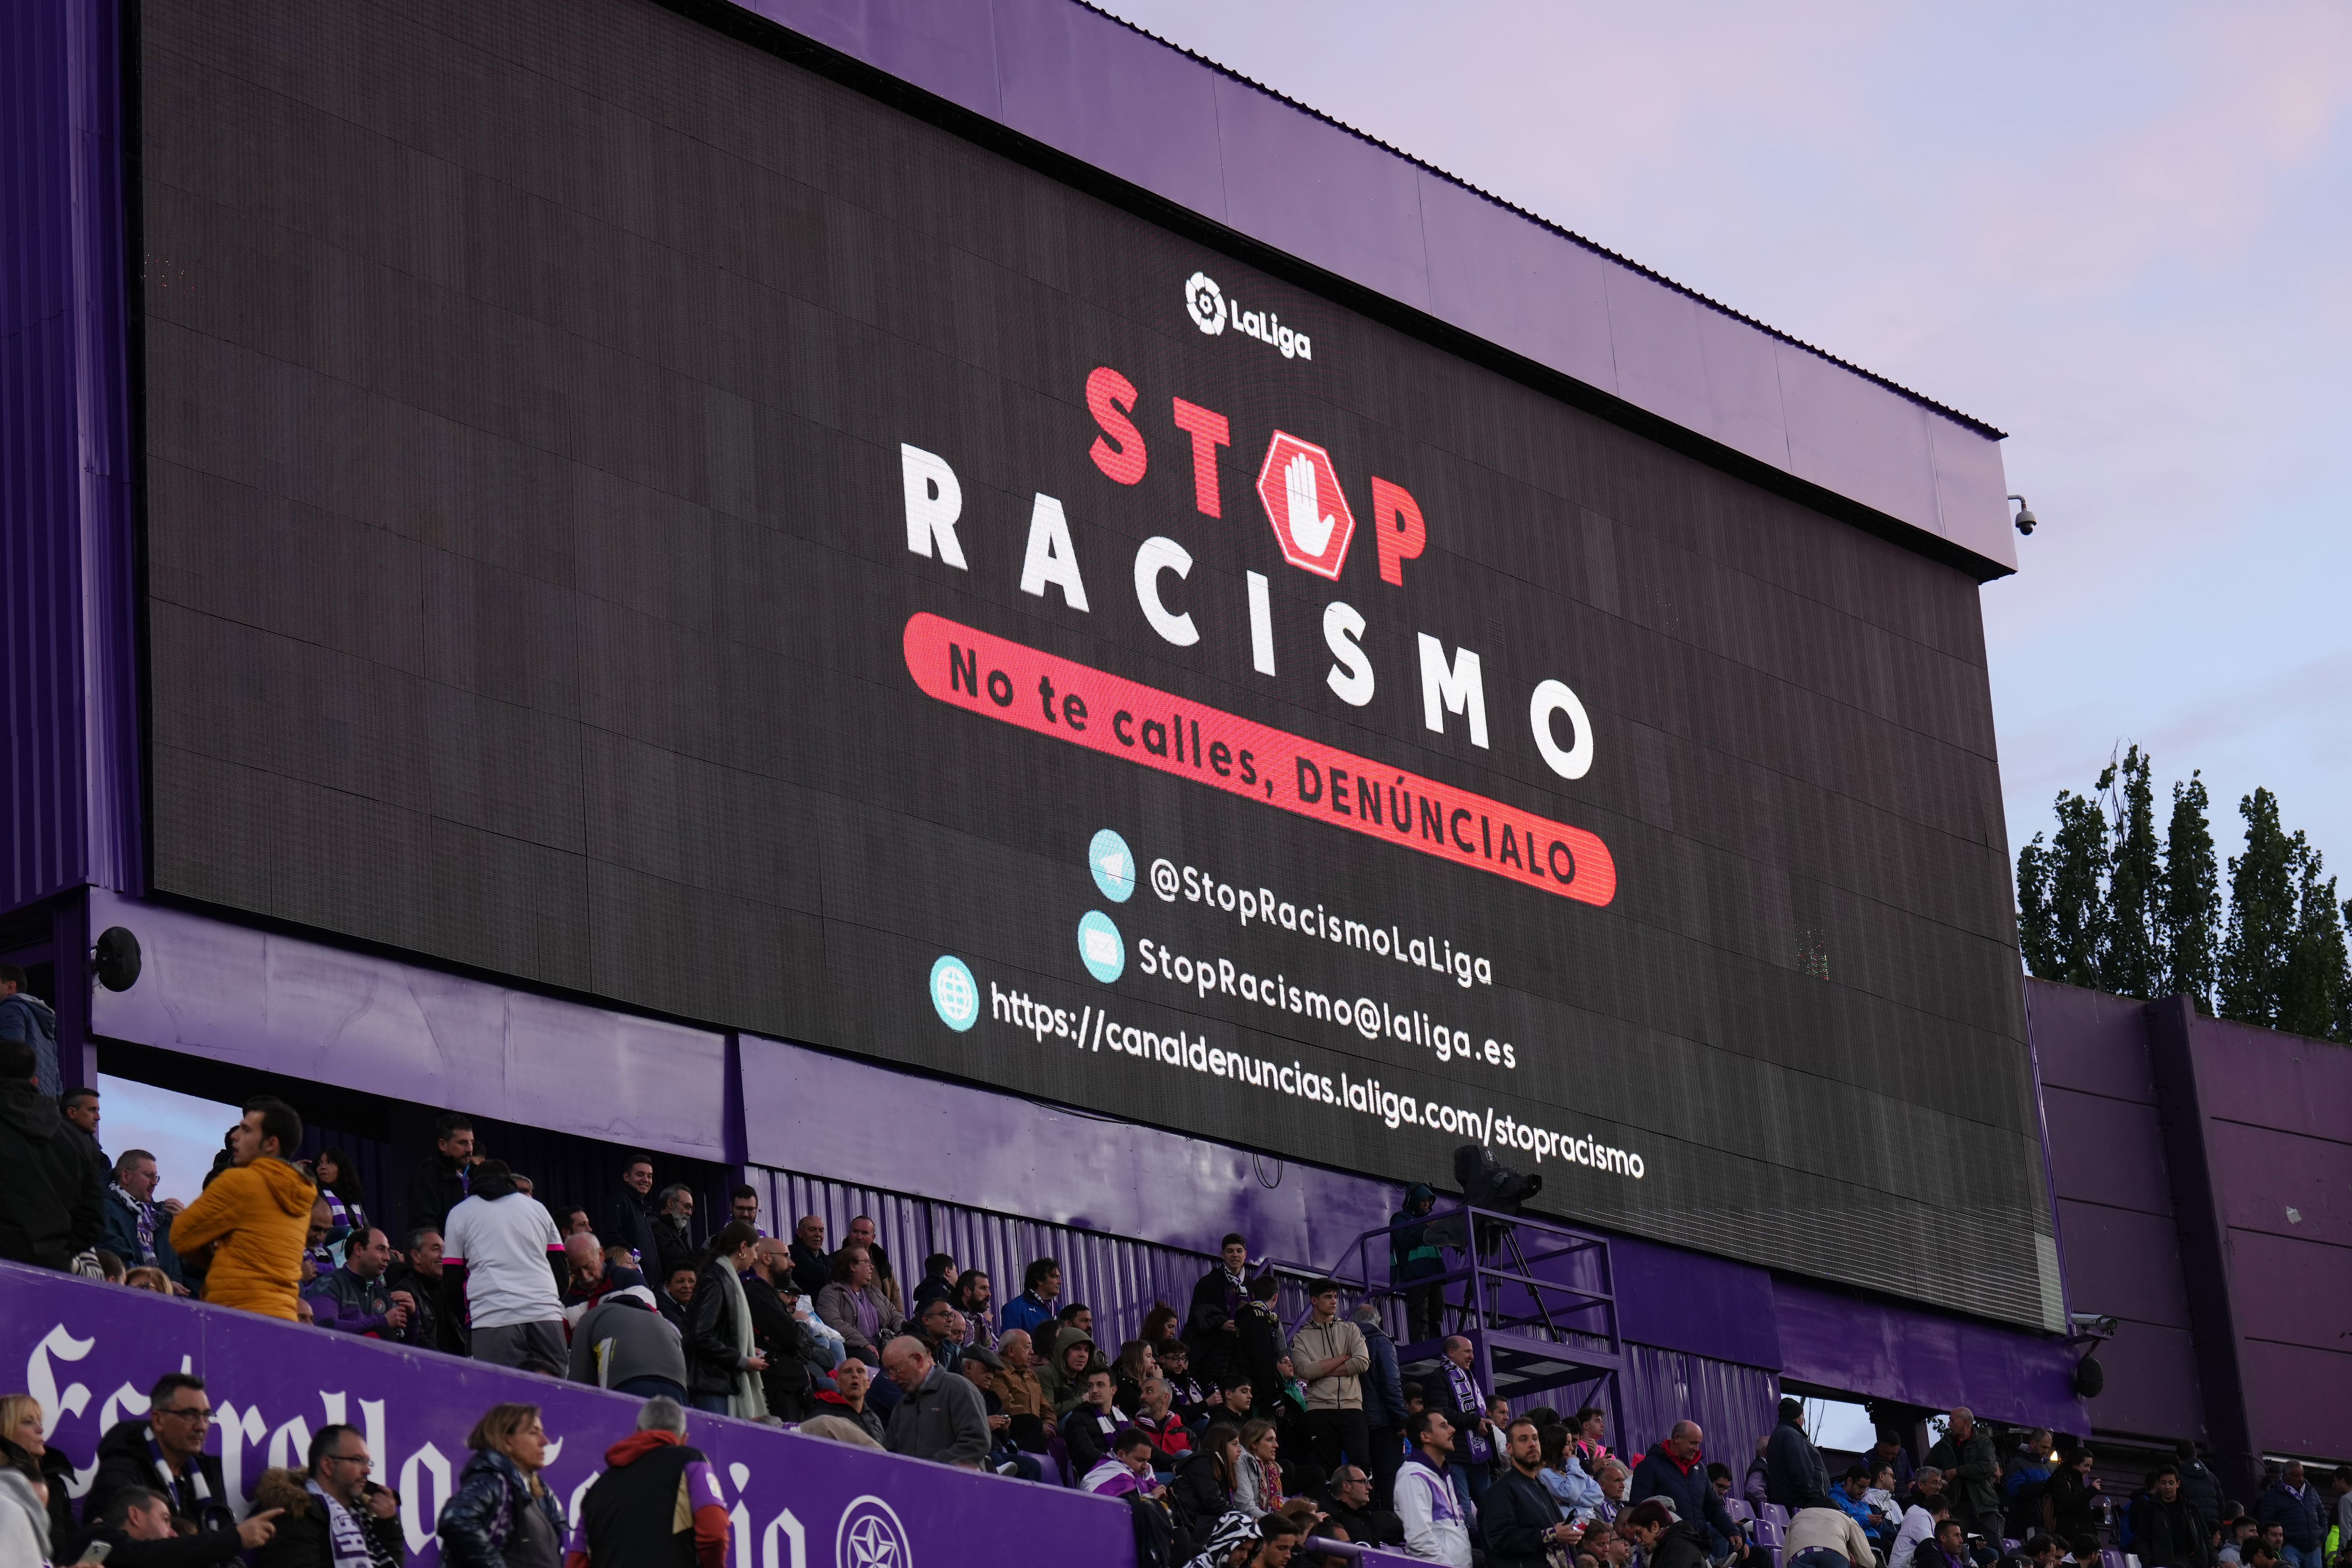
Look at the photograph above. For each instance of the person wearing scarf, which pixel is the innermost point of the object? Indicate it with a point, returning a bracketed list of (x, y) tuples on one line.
[(334, 1517), (723, 1359), (1465, 1405), (164, 1451)]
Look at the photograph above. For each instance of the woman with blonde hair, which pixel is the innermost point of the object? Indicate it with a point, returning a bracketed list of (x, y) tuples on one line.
[(1257, 1479), (502, 1515), (24, 1448), (147, 1277)]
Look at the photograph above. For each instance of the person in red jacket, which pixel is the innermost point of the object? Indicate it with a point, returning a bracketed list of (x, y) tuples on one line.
[(630, 1514)]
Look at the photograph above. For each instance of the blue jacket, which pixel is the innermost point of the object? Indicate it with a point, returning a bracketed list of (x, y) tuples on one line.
[(27, 1017), (1023, 1311), (2303, 1513), (1690, 1492), (1794, 1475), (120, 1234), (1857, 1511), (477, 1520), (1382, 1384)]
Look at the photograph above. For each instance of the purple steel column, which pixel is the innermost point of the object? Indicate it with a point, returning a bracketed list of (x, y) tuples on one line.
[(68, 718), (2204, 1243)]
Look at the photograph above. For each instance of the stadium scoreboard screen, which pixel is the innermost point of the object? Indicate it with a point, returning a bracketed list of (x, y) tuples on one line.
[(627, 511)]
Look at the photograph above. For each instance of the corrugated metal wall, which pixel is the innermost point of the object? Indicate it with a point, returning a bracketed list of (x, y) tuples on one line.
[(68, 722), (1734, 1405), (1119, 1278), (1122, 1278)]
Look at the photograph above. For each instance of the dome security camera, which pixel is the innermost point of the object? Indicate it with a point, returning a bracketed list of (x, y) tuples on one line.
[(2025, 518)]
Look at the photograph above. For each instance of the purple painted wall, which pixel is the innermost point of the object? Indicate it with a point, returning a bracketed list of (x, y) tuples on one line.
[(2114, 1206), (69, 728), (89, 1352), (1091, 87), (279, 1003), (2278, 1141), (2204, 1178)]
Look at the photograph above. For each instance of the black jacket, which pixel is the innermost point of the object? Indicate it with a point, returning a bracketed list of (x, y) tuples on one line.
[(425, 1319), (812, 1269), (1216, 1352), (52, 1205), (2168, 1534), (1200, 1495), (1083, 1437), (124, 1459), (711, 1336), (1261, 1346), (1677, 1548), (302, 1538), (1794, 1475), (1971, 1473), (179, 1551), (1373, 1527), (2070, 1501), (628, 1222), (674, 1243), (2202, 1489), (437, 1187), (1690, 1492), (1513, 1517), (786, 1345)]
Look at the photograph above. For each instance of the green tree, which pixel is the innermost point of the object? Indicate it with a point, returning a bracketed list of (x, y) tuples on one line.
[(2063, 923), (2264, 916), (2311, 998), (2192, 895), (2134, 962)]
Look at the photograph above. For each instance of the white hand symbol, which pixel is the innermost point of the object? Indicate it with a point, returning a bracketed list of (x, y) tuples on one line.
[(1310, 525)]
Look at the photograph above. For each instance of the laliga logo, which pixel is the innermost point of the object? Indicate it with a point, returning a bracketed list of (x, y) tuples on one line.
[(1206, 304)]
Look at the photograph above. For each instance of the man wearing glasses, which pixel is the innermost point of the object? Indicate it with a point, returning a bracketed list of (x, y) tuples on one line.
[(166, 1453), (336, 1517)]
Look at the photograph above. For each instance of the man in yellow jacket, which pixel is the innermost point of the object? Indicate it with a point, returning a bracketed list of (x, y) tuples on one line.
[(258, 1210)]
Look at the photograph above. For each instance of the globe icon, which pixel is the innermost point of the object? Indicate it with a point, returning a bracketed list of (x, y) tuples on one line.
[(954, 993)]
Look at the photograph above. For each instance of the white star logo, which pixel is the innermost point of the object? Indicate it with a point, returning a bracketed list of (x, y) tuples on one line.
[(870, 1536)]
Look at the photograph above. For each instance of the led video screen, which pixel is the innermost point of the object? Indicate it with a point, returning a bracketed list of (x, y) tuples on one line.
[(632, 512)]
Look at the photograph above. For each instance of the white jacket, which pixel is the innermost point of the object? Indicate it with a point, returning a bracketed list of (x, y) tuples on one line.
[(1435, 1530)]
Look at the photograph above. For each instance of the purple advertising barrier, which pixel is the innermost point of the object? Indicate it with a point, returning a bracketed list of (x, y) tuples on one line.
[(89, 1352)]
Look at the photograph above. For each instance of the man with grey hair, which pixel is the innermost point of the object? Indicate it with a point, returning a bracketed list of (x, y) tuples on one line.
[(1971, 1472), (941, 1416), (1384, 1407), (674, 1228), (138, 1229), (1918, 1519), (656, 1501)]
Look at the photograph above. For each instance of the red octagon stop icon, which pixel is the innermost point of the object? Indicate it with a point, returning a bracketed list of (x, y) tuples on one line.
[(1303, 501)]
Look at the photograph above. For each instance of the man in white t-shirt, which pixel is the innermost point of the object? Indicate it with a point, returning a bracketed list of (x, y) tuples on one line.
[(1435, 1530), (1918, 1524), (499, 1251)]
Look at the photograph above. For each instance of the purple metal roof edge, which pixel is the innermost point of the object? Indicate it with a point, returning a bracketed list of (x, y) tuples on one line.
[(1958, 417)]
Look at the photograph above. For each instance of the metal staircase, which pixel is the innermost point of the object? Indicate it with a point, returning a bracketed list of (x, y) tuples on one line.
[(1536, 1299)]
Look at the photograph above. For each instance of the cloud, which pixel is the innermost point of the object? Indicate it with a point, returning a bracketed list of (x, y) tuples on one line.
[(2116, 231)]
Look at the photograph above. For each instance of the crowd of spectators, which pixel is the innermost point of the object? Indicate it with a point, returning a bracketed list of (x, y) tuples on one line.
[(1231, 1436)]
